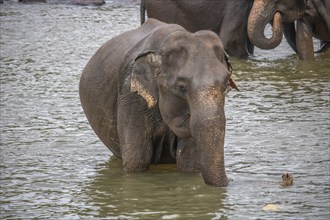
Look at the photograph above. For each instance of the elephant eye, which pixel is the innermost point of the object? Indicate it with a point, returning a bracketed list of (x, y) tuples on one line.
[(182, 89), (181, 86)]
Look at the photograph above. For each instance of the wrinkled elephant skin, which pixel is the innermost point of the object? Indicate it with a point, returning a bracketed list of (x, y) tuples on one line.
[(156, 94)]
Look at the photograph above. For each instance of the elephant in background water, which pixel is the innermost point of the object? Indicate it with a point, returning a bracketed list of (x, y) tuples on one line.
[(227, 18), (312, 17), (156, 94), (315, 23)]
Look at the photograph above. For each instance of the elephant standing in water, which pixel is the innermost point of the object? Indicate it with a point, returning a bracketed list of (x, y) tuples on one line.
[(312, 18), (156, 94), (315, 23), (227, 18)]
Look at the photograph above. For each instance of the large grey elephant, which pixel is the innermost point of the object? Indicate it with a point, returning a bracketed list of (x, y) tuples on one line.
[(156, 94), (312, 17), (227, 18)]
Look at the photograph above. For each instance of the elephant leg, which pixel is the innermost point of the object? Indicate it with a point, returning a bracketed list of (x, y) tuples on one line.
[(135, 143), (187, 157), (305, 45)]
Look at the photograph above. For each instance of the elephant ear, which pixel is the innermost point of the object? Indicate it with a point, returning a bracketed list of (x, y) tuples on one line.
[(146, 67), (231, 70)]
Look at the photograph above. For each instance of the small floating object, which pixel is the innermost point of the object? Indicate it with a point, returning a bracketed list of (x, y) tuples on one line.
[(271, 207), (287, 179)]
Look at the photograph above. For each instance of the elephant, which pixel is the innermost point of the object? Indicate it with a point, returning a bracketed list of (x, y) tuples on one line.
[(32, 1), (88, 2), (315, 23), (311, 17), (227, 18), (156, 95)]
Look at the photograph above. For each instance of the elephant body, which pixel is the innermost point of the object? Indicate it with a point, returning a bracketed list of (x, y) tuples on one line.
[(156, 95), (227, 18)]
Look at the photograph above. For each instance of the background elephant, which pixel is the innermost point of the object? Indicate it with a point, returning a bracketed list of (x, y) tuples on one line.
[(278, 11), (87, 2), (33, 1), (314, 23), (312, 18), (227, 18), (156, 94)]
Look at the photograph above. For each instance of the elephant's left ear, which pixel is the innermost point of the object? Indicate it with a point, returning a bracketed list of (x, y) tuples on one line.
[(143, 81), (231, 71)]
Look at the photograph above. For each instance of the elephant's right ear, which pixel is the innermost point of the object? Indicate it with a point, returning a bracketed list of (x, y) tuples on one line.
[(143, 77)]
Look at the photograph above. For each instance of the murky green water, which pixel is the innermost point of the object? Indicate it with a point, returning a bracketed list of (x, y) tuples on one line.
[(54, 167)]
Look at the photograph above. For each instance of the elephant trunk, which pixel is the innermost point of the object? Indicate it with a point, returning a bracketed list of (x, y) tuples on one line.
[(210, 144), (208, 128), (261, 14)]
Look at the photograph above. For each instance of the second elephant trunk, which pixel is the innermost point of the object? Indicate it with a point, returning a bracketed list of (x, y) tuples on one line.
[(261, 14)]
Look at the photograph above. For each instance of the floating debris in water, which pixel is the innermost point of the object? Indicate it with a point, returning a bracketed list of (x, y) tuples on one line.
[(272, 207), (287, 179)]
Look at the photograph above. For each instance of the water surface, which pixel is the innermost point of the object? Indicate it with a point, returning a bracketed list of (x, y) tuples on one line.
[(54, 167)]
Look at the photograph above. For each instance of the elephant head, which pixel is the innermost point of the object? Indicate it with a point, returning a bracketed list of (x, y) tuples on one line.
[(187, 78), (264, 11)]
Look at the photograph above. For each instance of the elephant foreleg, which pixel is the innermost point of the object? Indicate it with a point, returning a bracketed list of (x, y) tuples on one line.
[(135, 143), (305, 46)]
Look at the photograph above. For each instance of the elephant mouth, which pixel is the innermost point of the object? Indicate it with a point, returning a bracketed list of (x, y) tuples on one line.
[(181, 126), (185, 121)]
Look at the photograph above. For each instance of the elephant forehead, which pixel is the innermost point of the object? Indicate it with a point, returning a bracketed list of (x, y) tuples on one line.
[(193, 42), (208, 37)]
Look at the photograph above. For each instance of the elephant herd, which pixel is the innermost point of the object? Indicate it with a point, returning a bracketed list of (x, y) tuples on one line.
[(156, 94), (241, 24)]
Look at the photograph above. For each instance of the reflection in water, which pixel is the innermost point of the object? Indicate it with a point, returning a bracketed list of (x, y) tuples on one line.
[(160, 193), (52, 165)]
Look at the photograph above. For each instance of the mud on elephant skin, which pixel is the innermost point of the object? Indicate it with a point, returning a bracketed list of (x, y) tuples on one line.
[(227, 18), (156, 94)]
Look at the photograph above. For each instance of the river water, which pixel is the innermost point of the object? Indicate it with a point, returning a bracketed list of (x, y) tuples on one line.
[(54, 167)]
